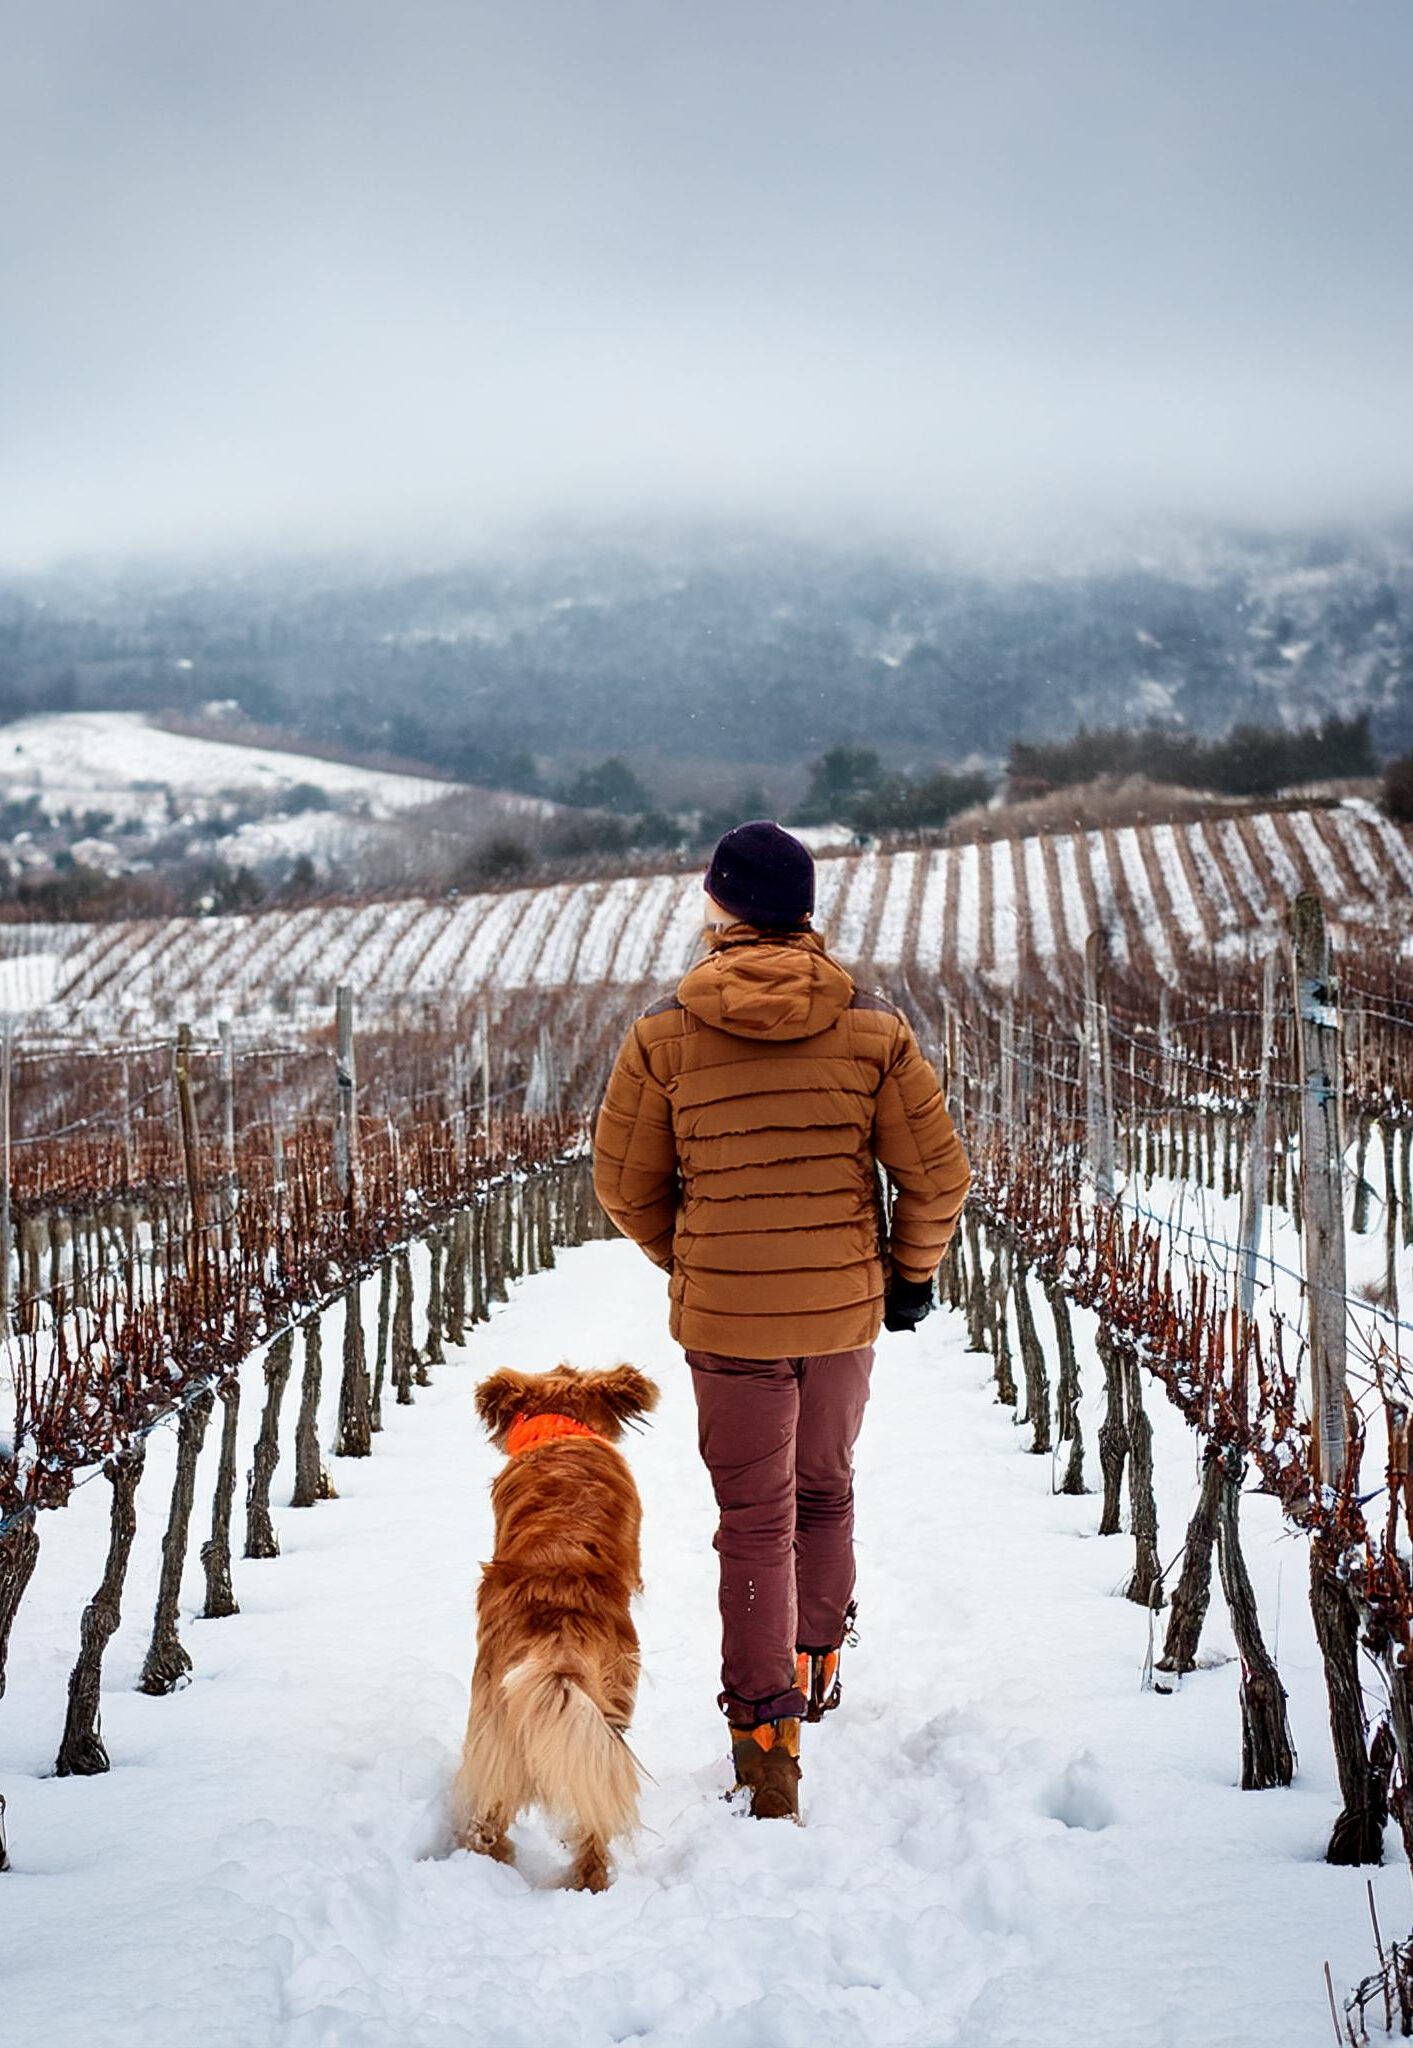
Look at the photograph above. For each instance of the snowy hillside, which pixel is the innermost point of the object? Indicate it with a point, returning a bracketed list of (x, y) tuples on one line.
[(123, 763), (1008, 1843), (997, 909), (118, 785)]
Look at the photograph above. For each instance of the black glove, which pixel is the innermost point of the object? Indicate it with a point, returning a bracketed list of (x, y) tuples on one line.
[(906, 1302)]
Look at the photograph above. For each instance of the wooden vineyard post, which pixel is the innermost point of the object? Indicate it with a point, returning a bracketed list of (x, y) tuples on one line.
[(228, 1136), (7, 1050), (1357, 1836), (191, 1147), (1258, 1153), (78, 1262), (976, 1296), (458, 1112), (1099, 1086), (542, 1086), (1391, 1226), (544, 1254), (1354, 1036), (476, 1262), (125, 1111), (1008, 1068), (60, 1236), (954, 1083), (486, 1075), (1321, 1181), (346, 1110)]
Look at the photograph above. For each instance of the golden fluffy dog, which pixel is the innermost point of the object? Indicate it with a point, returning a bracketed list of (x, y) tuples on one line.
[(556, 1651)]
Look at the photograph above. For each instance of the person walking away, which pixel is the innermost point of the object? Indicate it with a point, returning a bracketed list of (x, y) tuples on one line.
[(738, 1144)]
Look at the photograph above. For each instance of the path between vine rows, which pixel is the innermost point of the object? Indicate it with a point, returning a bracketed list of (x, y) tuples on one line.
[(1006, 1839)]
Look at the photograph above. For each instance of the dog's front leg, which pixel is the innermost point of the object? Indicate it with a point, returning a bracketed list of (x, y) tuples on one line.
[(486, 1834)]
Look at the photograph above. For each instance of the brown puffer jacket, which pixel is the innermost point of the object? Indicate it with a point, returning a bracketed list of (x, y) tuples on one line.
[(737, 1141)]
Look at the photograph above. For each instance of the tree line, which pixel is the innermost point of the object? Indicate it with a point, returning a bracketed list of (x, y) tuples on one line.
[(1249, 760)]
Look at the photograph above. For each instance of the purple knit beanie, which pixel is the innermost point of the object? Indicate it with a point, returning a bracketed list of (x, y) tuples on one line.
[(763, 875)]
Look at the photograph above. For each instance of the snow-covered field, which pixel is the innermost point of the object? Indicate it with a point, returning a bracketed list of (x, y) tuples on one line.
[(1007, 1840), (121, 762), (136, 782)]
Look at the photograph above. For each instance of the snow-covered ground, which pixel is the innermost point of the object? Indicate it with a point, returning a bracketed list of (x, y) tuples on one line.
[(1007, 1840), (121, 762), (136, 784)]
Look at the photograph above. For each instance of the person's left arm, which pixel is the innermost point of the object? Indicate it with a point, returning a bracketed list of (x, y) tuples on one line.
[(915, 1142), (635, 1154)]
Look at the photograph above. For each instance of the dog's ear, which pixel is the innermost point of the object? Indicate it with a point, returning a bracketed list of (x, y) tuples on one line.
[(614, 1397), (499, 1398)]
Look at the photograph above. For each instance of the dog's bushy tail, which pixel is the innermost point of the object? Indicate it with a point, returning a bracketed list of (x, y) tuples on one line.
[(582, 1769)]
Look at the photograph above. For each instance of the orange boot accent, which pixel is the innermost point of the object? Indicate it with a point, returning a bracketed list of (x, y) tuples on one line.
[(817, 1676)]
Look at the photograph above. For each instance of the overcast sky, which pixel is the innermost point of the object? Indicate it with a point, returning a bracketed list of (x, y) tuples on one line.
[(309, 272)]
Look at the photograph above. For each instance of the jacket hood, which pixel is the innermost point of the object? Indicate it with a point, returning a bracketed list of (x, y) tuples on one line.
[(759, 985)]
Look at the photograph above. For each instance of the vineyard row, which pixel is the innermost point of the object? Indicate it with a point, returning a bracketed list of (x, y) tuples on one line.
[(1008, 911)]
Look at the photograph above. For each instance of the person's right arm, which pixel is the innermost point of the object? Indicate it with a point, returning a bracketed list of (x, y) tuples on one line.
[(635, 1154)]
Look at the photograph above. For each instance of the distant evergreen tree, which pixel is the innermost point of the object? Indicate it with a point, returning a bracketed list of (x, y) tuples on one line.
[(656, 828), (840, 781), (903, 805), (751, 803), (1398, 789), (611, 786), (850, 786)]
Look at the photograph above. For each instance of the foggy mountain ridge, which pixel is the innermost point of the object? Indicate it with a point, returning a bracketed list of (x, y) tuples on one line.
[(708, 649)]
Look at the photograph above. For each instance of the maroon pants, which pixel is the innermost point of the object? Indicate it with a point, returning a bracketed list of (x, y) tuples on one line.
[(777, 1435)]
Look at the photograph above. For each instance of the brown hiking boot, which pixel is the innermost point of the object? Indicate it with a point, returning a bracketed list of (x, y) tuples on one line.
[(767, 1760)]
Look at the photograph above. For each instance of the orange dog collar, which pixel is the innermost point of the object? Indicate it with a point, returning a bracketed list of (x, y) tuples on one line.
[(530, 1432)]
